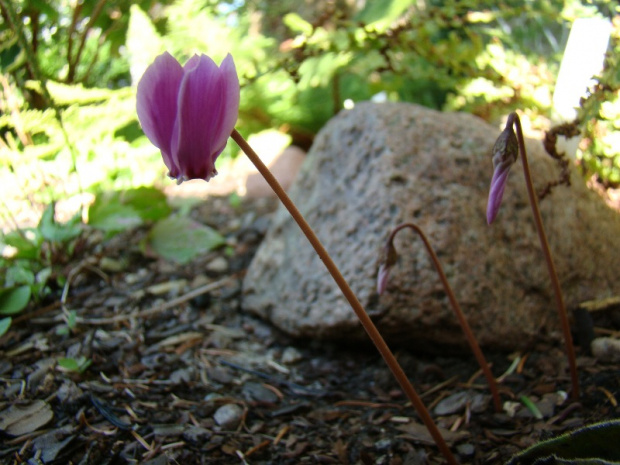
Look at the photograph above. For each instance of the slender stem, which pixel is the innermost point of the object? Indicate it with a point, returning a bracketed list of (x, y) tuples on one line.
[(361, 314), (473, 343), (513, 118)]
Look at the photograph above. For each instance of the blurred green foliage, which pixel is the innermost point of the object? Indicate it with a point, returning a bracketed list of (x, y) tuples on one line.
[(599, 117), (68, 124)]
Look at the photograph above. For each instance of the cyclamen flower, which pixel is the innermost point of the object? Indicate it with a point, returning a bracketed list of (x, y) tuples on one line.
[(389, 260), (188, 112), (505, 154)]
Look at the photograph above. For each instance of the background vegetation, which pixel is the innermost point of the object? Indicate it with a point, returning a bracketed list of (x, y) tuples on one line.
[(68, 127)]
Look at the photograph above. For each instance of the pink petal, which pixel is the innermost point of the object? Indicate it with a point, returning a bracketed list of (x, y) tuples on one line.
[(156, 104), (230, 85), (208, 106), (496, 192), (382, 278)]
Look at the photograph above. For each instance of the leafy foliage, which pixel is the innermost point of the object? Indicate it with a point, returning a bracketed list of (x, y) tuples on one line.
[(600, 117)]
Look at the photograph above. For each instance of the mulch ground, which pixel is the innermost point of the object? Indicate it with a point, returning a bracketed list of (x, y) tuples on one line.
[(171, 370)]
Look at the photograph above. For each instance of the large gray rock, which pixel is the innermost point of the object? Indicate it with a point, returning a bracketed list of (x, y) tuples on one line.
[(381, 164)]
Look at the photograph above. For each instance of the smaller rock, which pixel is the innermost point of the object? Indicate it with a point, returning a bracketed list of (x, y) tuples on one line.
[(218, 265), (383, 444), (196, 434), (220, 375), (228, 416), (182, 375), (479, 402), (68, 392), (546, 405), (256, 392), (606, 349), (290, 356), (466, 450)]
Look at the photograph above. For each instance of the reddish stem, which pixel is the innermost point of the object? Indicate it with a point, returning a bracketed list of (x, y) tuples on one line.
[(361, 314), (469, 335), (513, 118)]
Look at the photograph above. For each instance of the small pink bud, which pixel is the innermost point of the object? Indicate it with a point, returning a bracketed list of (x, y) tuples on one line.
[(389, 260), (382, 278), (505, 153), (189, 112)]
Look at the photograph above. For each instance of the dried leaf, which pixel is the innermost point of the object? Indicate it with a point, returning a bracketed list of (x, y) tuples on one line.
[(23, 419)]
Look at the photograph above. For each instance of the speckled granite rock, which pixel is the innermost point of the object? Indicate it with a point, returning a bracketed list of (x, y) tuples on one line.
[(381, 164)]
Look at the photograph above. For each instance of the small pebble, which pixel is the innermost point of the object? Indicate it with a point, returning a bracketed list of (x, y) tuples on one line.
[(466, 450), (606, 349), (220, 375), (218, 265), (383, 444), (291, 355), (196, 434), (228, 416), (255, 392)]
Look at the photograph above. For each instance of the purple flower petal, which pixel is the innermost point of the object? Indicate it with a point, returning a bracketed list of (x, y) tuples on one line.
[(208, 105), (382, 278), (230, 85), (156, 104), (496, 192)]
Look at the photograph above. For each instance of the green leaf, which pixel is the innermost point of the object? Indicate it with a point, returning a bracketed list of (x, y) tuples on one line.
[(143, 42), (26, 248), (382, 14), (17, 275), (109, 214), (593, 444), (182, 239), (58, 232), (150, 203), (5, 324), (14, 299), (76, 365), (297, 24)]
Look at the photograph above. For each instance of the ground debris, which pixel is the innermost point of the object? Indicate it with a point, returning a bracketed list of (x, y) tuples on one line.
[(179, 374)]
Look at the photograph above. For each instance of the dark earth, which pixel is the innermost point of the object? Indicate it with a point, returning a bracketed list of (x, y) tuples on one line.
[(180, 374)]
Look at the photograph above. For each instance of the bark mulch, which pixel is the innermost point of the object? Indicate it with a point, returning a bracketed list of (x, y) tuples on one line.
[(162, 366)]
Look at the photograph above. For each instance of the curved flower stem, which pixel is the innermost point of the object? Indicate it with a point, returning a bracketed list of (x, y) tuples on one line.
[(361, 314), (513, 118), (473, 343)]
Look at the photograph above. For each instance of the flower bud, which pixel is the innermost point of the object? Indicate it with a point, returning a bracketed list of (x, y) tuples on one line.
[(505, 153)]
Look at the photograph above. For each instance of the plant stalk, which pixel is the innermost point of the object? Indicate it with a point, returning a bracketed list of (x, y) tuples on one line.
[(361, 314), (469, 335), (513, 118)]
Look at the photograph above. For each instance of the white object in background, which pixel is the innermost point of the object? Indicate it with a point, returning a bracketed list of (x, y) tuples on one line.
[(583, 59)]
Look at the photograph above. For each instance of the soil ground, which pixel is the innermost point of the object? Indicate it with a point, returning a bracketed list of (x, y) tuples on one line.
[(180, 374)]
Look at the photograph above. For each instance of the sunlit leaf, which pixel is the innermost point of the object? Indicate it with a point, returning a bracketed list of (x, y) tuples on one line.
[(5, 324), (150, 203), (14, 299), (182, 239), (297, 24), (107, 213), (58, 232)]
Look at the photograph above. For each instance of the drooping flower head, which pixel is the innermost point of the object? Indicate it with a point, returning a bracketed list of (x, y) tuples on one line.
[(505, 153), (389, 260), (188, 112)]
